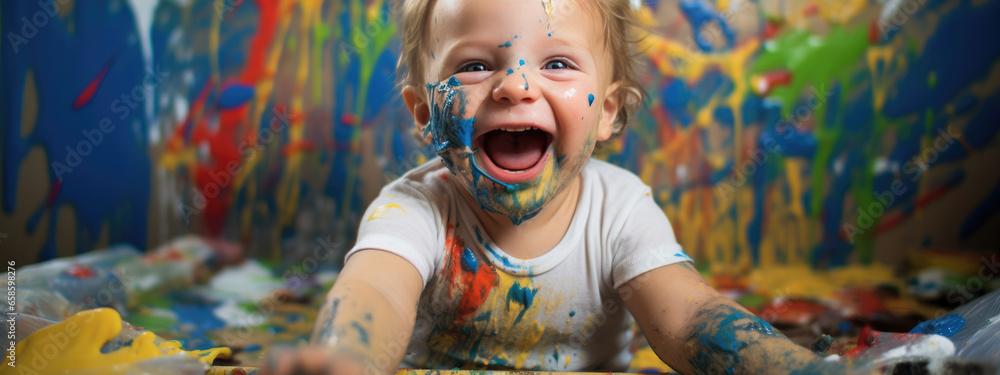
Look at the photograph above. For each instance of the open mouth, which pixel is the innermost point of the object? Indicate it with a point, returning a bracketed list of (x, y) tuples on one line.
[(514, 155)]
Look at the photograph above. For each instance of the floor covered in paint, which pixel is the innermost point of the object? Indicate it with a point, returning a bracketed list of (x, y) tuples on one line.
[(204, 294)]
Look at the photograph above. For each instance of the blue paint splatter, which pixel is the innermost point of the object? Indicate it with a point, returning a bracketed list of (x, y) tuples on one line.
[(572, 313), (505, 45), (235, 96), (525, 81), (946, 326), (550, 34), (590, 100), (469, 261), (521, 62), (521, 295), (510, 71), (454, 82), (361, 332)]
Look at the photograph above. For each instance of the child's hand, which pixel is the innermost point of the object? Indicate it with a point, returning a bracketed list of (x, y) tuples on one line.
[(312, 360)]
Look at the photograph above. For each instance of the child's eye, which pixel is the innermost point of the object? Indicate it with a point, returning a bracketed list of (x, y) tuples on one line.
[(556, 64), (473, 67)]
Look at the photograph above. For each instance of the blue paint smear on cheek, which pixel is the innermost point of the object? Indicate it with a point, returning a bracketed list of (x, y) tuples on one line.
[(469, 261), (590, 98)]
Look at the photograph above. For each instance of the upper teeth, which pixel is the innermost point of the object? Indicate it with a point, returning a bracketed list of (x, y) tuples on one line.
[(518, 129)]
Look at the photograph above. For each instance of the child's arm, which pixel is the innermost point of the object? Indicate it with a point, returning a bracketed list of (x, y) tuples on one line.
[(366, 322), (696, 330)]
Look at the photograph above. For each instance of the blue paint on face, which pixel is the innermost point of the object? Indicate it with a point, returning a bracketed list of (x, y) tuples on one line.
[(510, 71), (946, 326), (451, 137), (521, 63), (469, 261), (590, 100), (521, 295), (525, 81), (505, 45), (550, 34)]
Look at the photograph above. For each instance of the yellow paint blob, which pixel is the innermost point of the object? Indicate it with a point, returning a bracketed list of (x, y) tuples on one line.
[(75, 344)]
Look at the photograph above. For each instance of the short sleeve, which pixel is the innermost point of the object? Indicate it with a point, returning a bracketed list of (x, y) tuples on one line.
[(403, 220), (645, 243)]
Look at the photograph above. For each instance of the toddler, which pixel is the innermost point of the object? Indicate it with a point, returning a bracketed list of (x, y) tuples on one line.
[(514, 249)]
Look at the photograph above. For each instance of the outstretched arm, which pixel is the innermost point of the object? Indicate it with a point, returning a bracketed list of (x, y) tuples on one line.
[(365, 323), (696, 330)]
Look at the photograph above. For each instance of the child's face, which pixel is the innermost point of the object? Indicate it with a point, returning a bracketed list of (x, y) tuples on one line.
[(517, 97)]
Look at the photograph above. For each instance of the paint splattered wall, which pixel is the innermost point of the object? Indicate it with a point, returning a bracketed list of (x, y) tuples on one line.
[(777, 131)]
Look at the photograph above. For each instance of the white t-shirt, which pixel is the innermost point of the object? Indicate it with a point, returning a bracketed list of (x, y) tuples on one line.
[(482, 308)]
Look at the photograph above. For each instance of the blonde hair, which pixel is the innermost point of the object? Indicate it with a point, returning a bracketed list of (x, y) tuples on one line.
[(621, 28)]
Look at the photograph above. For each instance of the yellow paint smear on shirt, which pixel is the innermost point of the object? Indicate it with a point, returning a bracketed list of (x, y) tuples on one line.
[(77, 342), (386, 211)]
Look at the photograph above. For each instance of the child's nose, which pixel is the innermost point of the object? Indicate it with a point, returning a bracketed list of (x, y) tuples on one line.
[(516, 87)]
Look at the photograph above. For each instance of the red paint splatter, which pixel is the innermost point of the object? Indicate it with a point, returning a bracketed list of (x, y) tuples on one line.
[(473, 287), (810, 10), (764, 83), (54, 192), (874, 33), (90, 91), (348, 119), (80, 271), (771, 29)]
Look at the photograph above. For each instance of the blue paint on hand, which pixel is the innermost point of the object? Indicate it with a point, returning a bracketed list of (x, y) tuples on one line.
[(469, 261), (946, 326), (590, 98)]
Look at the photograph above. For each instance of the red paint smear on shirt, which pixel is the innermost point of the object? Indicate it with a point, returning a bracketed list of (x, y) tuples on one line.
[(473, 287)]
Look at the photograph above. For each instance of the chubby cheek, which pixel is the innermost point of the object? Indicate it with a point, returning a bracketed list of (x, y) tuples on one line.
[(577, 112)]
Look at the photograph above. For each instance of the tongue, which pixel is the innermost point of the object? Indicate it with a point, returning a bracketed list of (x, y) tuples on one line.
[(515, 151)]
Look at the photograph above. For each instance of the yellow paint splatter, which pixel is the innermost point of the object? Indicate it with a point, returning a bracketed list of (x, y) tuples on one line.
[(78, 341), (387, 211)]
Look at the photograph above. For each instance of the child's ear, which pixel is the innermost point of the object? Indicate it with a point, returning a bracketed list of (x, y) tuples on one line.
[(417, 104), (609, 112)]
